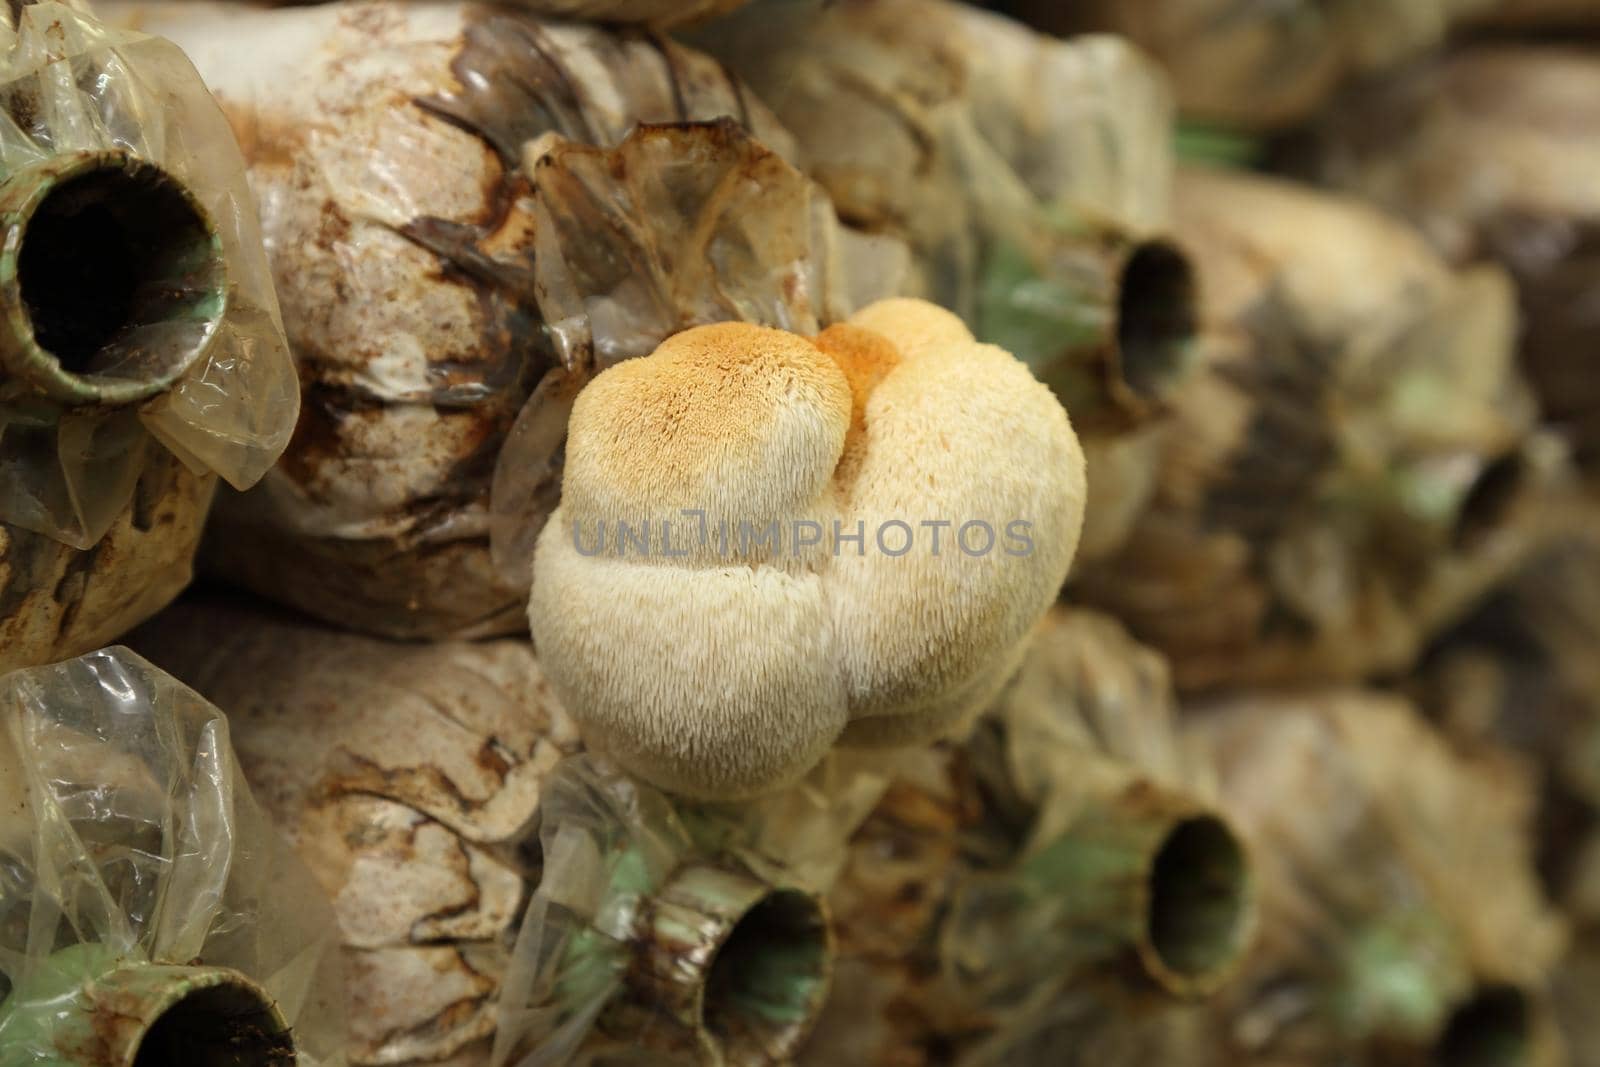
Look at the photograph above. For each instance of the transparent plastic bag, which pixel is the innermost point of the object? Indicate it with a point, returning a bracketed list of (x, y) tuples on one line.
[(663, 932), (56, 601), (394, 161), (1399, 904), (122, 121), (1354, 462), (677, 226), (133, 863), (406, 777), (1025, 172), (413, 780), (1031, 178), (1256, 65), (1058, 880), (144, 353), (1491, 151)]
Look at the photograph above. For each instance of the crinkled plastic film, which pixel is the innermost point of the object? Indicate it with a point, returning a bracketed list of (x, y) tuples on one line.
[(948, 939), (128, 834), (1395, 874), (892, 100), (610, 844), (406, 777), (70, 85), (1086, 740), (677, 226)]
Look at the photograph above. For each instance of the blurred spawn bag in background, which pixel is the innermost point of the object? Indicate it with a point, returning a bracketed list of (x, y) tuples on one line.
[(657, 13), (1493, 151), (1031, 178), (1520, 674), (134, 862), (1401, 918), (458, 221), (141, 351), (1354, 461), (1255, 64)]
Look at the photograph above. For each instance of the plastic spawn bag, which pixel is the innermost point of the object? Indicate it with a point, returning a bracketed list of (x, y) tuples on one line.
[(148, 911), (1354, 461), (1058, 880), (143, 351), (1520, 674), (406, 777), (393, 148), (1025, 173), (653, 12), (1262, 65), (677, 226), (1400, 912), (1031, 178), (413, 778), (677, 933), (1491, 151)]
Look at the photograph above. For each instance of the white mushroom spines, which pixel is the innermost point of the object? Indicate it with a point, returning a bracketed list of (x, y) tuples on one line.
[(765, 542)]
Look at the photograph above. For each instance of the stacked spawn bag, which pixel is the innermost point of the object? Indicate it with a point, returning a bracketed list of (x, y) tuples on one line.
[(1263, 66), (1353, 462), (1519, 675), (1401, 919), (404, 776), (501, 895), (461, 221), (149, 913), (142, 353), (1031, 179), (667, 931), (1491, 151), (657, 13), (1056, 889)]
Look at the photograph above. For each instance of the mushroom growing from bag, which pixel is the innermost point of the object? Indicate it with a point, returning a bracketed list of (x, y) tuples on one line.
[(141, 354), (498, 888), (1354, 461), (1031, 178), (464, 203), (767, 543)]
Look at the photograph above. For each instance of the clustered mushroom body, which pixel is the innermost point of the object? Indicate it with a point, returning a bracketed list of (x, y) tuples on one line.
[(742, 569)]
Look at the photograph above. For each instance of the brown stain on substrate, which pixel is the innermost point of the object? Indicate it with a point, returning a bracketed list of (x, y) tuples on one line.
[(264, 141)]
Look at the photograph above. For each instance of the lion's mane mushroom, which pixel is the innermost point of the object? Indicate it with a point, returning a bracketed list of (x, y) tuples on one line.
[(766, 542)]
